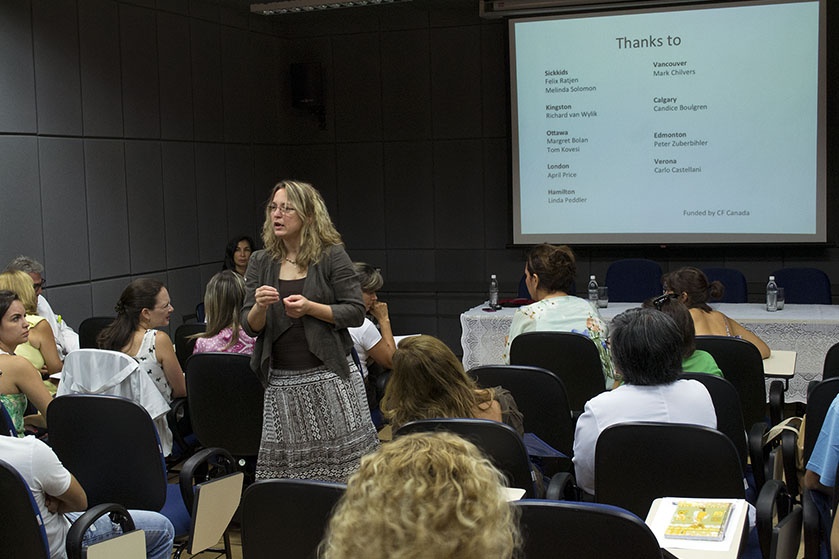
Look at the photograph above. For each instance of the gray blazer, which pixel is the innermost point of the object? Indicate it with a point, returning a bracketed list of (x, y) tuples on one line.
[(332, 281)]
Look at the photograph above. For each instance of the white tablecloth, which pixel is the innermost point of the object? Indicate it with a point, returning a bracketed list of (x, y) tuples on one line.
[(809, 330)]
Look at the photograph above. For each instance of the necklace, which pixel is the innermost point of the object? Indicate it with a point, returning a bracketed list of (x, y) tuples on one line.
[(290, 261)]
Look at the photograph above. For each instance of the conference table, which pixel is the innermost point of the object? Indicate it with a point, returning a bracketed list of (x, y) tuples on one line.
[(808, 330)]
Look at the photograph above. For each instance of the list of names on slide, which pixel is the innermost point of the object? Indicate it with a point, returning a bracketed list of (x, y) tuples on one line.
[(628, 111)]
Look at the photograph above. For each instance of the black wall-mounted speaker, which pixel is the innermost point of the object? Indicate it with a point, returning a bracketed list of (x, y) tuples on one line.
[(306, 85)]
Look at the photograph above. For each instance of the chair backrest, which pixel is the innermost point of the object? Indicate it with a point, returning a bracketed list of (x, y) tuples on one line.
[(584, 530), (633, 280), (498, 441), (183, 345), (7, 426), (742, 366), (90, 328), (831, 362), (728, 409), (570, 356), (820, 396), (736, 288), (111, 446), (541, 398), (809, 286), (287, 514), (225, 402), (636, 463), (21, 525)]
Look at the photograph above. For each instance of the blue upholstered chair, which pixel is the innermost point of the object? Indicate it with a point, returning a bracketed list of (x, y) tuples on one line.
[(736, 288), (633, 280), (809, 286)]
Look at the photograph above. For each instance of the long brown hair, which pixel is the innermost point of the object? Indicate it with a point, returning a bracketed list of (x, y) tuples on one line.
[(318, 231), (428, 381), (694, 283), (138, 295)]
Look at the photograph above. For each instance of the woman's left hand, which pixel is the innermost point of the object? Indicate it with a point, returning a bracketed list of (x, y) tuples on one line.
[(296, 306)]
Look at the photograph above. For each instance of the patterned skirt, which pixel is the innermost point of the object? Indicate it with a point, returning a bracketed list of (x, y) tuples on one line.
[(316, 425)]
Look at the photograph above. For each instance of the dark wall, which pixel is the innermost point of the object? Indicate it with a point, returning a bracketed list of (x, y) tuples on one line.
[(137, 137)]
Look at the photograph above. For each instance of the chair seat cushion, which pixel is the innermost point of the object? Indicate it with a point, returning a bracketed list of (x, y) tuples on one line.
[(175, 510)]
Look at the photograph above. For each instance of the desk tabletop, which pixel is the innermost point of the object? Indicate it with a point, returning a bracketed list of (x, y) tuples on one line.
[(727, 549)]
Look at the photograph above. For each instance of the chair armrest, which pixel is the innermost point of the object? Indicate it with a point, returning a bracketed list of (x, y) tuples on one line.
[(118, 514), (178, 409), (776, 401), (205, 464), (811, 526), (759, 455), (774, 496), (563, 487)]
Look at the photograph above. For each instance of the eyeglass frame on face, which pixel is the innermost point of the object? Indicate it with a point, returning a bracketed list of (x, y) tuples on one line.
[(285, 210), (40, 285)]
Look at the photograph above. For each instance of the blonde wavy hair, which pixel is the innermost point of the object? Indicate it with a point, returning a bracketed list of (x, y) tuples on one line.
[(428, 381), (318, 231), (423, 495), (20, 283)]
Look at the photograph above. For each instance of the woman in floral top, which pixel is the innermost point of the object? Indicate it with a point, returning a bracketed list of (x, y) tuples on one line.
[(549, 273), (223, 301)]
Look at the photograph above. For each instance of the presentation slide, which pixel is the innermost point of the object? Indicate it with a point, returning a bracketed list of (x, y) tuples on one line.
[(690, 125)]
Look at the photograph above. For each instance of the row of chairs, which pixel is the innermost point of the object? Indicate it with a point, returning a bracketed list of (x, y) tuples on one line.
[(575, 360), (638, 279)]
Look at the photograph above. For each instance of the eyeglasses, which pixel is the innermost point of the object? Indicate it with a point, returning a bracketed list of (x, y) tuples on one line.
[(40, 285), (285, 210), (659, 301)]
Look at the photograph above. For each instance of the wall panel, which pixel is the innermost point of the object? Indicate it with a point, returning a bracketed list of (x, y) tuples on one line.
[(107, 208)]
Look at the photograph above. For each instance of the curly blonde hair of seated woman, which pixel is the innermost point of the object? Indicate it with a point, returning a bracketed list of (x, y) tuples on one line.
[(428, 381), (423, 495)]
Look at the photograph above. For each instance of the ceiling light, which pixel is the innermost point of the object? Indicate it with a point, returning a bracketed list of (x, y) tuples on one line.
[(298, 6)]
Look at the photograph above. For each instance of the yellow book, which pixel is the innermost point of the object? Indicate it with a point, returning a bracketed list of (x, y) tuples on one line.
[(699, 520)]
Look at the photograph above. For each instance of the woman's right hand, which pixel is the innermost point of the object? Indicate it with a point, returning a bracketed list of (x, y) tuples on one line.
[(265, 296), (379, 310)]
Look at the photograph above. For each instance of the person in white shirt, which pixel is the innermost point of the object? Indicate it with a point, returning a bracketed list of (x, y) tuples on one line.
[(371, 342), (66, 340), (61, 499), (646, 348)]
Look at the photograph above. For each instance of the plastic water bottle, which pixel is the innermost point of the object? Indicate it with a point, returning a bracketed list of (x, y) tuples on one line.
[(771, 295), (493, 292), (592, 289)]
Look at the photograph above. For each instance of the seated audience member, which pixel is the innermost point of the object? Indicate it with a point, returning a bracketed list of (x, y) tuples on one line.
[(693, 360), (549, 273), (238, 253), (820, 474), (423, 495), (223, 301), (61, 500), (20, 383), (66, 340), (40, 348), (371, 342), (143, 307), (428, 381), (692, 287), (646, 348)]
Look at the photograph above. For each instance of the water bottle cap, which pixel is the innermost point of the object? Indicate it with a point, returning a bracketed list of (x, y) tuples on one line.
[(591, 276), (771, 278), (492, 276)]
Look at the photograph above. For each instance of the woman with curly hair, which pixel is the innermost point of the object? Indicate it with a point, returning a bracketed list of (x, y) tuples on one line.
[(302, 295), (693, 289), (424, 495), (428, 381), (549, 273)]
